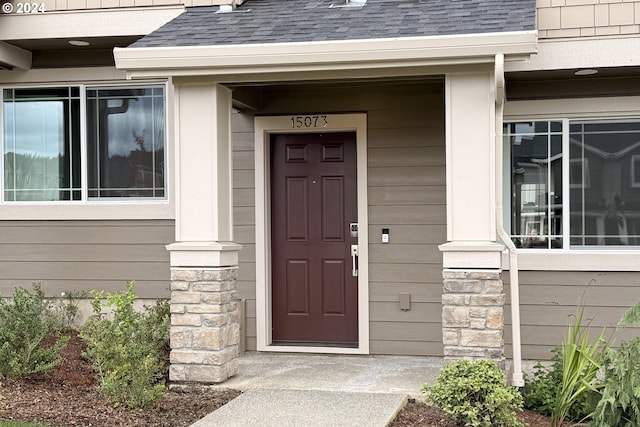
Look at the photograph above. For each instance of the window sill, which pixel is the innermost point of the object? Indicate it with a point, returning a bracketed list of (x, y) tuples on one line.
[(112, 210), (576, 260)]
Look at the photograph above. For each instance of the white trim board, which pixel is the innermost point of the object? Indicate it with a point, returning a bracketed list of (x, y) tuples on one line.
[(264, 126), (231, 62)]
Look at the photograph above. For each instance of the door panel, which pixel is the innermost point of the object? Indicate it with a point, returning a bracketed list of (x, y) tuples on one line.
[(333, 286), (297, 283), (333, 209), (313, 200), (297, 201)]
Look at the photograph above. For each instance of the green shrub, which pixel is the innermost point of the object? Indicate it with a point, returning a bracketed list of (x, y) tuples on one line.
[(620, 403), (65, 308), (541, 389), (475, 394), (26, 323), (125, 350)]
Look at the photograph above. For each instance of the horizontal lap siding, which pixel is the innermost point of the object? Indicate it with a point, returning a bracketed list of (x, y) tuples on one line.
[(406, 156), (86, 255), (244, 218), (406, 181), (549, 299)]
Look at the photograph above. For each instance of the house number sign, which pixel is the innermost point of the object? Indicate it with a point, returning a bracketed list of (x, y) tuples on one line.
[(307, 122)]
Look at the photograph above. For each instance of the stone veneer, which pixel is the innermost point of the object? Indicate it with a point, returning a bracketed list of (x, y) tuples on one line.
[(205, 324), (473, 315)]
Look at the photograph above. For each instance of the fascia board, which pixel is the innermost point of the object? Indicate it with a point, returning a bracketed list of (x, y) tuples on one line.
[(325, 55)]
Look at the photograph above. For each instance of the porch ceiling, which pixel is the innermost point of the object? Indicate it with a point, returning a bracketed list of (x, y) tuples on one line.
[(550, 84)]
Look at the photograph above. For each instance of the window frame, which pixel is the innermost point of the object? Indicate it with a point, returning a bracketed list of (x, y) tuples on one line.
[(569, 258), (94, 208)]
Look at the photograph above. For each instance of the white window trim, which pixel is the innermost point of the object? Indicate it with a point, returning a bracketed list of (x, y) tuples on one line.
[(95, 209), (282, 124), (576, 258)]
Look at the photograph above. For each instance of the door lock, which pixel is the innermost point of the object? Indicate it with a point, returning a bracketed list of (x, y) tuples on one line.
[(354, 260)]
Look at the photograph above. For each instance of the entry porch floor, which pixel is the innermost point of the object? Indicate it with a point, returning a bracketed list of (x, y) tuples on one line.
[(345, 373)]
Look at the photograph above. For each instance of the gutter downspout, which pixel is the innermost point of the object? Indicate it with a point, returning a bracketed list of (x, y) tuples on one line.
[(517, 378)]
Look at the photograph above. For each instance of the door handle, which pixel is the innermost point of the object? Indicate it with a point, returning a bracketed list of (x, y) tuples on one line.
[(354, 260)]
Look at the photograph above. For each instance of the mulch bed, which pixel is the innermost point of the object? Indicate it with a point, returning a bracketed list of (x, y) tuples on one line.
[(420, 414), (67, 397)]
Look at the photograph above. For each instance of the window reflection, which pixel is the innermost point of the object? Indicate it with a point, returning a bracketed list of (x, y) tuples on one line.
[(605, 192), (604, 182), (126, 142), (41, 144), (536, 183)]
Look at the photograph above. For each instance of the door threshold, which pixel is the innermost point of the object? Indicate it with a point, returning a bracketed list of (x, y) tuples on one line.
[(317, 348), (315, 344)]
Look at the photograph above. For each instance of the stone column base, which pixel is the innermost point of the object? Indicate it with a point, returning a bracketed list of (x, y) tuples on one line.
[(205, 324), (473, 315)]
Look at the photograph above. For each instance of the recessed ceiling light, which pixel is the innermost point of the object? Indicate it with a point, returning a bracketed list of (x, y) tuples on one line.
[(585, 72), (78, 43)]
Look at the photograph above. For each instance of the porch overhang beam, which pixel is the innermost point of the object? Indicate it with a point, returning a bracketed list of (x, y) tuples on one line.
[(14, 57), (234, 63)]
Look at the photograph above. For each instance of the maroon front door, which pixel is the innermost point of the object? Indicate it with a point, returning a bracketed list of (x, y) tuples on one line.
[(313, 202)]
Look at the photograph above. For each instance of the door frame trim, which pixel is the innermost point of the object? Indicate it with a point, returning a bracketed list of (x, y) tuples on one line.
[(264, 126)]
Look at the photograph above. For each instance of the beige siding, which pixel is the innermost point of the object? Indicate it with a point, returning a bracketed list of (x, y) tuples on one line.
[(244, 219), (406, 168), (587, 18), (549, 299), (86, 255)]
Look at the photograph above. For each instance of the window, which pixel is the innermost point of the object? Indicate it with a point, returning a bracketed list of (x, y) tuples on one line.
[(46, 156), (536, 183), (41, 144), (598, 160)]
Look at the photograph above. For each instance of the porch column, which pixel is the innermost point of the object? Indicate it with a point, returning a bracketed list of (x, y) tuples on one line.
[(473, 298), (205, 314)]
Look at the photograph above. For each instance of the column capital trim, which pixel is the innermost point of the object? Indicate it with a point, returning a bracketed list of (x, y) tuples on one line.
[(471, 246), (472, 255), (204, 254)]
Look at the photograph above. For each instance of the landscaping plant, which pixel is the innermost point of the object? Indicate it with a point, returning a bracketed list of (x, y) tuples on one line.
[(620, 402), (125, 350), (581, 361), (475, 394), (541, 389), (26, 324), (66, 309)]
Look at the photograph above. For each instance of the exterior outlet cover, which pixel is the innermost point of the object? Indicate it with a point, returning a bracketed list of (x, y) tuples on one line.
[(405, 301)]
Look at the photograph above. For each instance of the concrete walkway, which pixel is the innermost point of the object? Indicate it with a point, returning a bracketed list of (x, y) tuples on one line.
[(321, 390)]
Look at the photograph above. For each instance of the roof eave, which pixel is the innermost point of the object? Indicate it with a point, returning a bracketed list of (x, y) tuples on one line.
[(235, 62)]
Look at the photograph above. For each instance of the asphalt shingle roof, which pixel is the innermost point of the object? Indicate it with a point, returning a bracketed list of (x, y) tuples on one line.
[(274, 21)]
